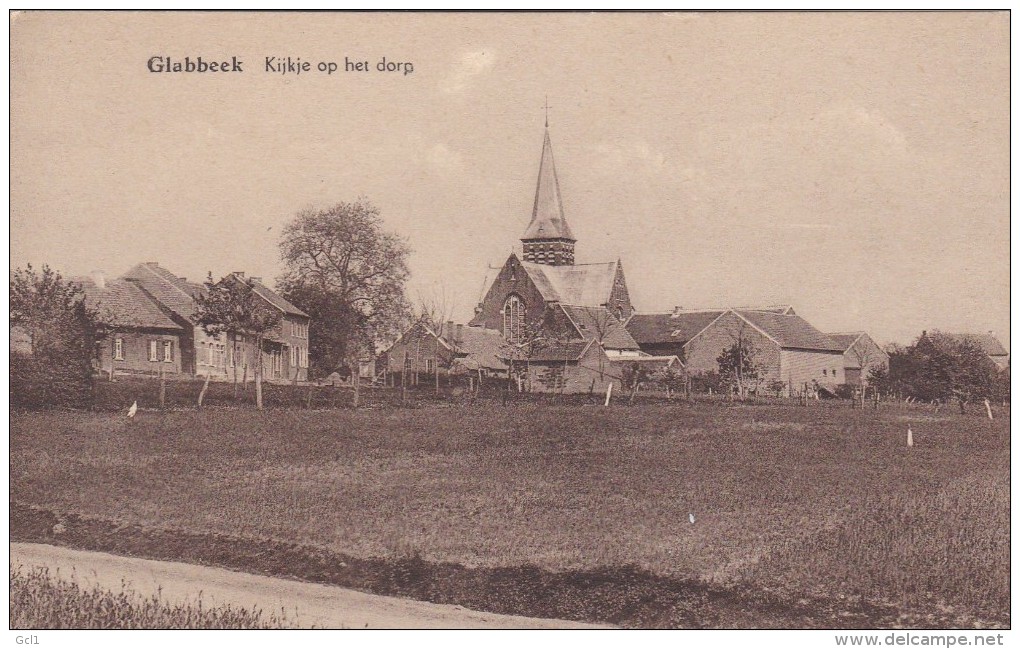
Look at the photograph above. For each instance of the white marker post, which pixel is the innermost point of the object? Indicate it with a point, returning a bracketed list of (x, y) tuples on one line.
[(910, 437), (609, 392), (988, 407)]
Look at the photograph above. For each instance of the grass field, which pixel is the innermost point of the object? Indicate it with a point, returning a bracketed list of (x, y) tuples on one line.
[(40, 600), (800, 503)]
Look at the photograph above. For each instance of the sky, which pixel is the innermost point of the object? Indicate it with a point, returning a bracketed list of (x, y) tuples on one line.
[(854, 165)]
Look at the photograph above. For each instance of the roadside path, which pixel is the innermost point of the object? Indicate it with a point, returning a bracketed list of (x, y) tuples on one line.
[(304, 604)]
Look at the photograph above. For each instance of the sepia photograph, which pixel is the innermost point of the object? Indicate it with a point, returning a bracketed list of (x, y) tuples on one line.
[(537, 320)]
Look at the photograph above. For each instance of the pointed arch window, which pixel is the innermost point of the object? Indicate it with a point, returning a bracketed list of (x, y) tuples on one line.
[(514, 313)]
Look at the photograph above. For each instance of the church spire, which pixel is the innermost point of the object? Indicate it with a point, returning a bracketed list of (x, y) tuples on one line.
[(548, 238)]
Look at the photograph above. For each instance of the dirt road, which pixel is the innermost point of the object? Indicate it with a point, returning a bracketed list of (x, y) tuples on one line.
[(303, 604)]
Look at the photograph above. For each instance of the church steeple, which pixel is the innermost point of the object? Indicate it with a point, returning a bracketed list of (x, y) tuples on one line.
[(548, 239)]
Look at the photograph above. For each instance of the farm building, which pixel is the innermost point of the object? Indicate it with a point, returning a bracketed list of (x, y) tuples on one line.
[(787, 348), (166, 306), (860, 355), (423, 351), (990, 345)]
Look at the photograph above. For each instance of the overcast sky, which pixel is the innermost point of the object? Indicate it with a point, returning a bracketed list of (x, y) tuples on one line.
[(853, 165)]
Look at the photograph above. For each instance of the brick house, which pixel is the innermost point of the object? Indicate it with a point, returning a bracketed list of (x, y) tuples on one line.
[(201, 353), (145, 340), (167, 304), (285, 353), (423, 351), (789, 349), (861, 354)]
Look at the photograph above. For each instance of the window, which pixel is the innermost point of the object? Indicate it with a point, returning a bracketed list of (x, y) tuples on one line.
[(304, 357), (513, 319), (118, 349), (428, 365), (168, 351), (230, 356), (153, 350), (293, 356), (212, 355)]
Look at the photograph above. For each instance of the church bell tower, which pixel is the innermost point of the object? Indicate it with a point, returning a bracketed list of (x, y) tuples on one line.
[(548, 239)]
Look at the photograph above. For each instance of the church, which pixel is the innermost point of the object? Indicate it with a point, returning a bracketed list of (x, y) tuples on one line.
[(562, 321), (571, 327)]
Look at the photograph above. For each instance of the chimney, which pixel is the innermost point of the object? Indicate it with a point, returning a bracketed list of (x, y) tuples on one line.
[(677, 309), (460, 334), (449, 331), (99, 279), (478, 309), (256, 279), (239, 273)]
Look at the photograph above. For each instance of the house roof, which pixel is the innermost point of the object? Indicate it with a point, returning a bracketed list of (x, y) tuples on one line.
[(560, 351), (790, 331), (600, 324), (173, 292), (846, 340), (988, 343), (124, 304), (581, 284), (481, 348), (268, 294), (275, 299), (677, 327), (647, 362), (547, 220)]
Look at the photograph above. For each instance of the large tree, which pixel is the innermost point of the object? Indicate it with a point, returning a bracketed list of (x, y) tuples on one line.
[(347, 272), (943, 367)]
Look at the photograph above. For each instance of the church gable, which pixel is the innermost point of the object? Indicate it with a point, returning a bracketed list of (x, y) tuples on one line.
[(512, 279)]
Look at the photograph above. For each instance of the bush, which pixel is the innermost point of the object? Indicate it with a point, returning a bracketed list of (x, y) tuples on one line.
[(37, 384)]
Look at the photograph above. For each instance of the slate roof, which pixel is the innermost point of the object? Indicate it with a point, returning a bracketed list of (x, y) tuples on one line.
[(599, 322), (677, 327), (988, 343), (124, 304), (790, 331), (581, 284), (547, 221)]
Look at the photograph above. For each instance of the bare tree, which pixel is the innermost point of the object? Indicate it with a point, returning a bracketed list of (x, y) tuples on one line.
[(433, 310), (232, 305), (739, 362)]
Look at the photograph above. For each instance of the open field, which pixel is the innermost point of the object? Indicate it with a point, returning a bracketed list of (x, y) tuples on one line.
[(816, 516)]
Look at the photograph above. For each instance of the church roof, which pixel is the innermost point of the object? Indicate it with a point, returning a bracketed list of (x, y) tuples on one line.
[(582, 284), (547, 221)]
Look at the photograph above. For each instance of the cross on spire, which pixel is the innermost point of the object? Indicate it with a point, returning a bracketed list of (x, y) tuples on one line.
[(547, 111)]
